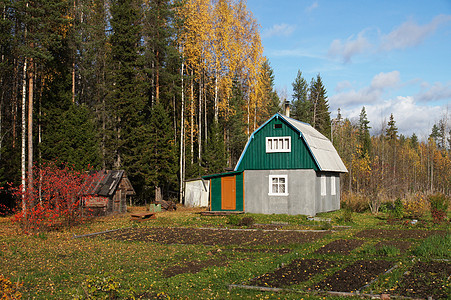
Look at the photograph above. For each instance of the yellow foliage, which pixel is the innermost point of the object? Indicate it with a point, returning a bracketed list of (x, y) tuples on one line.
[(415, 205), (8, 290)]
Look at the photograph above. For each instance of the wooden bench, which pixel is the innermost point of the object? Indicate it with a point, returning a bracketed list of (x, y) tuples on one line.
[(143, 216)]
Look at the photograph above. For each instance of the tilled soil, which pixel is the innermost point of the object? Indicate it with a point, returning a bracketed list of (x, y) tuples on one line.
[(339, 247), (403, 246), (397, 233), (426, 279), (355, 276), (215, 236), (297, 271), (193, 266)]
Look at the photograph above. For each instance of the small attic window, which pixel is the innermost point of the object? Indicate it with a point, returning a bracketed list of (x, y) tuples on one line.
[(278, 144), (277, 126)]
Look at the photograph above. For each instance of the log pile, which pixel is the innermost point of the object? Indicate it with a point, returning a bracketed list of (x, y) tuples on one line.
[(166, 205)]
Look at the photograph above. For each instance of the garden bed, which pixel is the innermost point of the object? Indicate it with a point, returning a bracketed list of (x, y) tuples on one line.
[(339, 247), (398, 233), (215, 236)]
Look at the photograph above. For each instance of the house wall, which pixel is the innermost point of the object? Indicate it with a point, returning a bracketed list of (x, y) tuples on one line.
[(299, 201), (304, 193), (328, 202)]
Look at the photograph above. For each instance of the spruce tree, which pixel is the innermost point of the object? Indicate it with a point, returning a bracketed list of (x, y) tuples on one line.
[(391, 131), (364, 133), (300, 104), (319, 107), (126, 101), (214, 158)]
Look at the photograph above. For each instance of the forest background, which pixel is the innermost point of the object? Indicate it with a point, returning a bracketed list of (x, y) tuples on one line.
[(170, 90)]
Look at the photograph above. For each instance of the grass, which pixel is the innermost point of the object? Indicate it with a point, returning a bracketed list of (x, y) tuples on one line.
[(54, 265)]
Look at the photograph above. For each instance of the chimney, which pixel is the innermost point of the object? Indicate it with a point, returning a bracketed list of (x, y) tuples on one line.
[(286, 108)]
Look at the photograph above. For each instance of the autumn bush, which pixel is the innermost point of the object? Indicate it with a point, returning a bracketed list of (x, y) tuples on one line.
[(355, 202), (55, 198), (415, 206), (439, 206)]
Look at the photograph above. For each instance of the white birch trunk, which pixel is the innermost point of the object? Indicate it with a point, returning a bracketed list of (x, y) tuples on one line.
[(24, 134), (182, 140)]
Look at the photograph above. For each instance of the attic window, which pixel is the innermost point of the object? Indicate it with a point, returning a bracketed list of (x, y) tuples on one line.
[(278, 144), (277, 126)]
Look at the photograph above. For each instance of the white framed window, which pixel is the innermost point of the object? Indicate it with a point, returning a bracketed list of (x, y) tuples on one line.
[(278, 185), (278, 144), (323, 185), (333, 187)]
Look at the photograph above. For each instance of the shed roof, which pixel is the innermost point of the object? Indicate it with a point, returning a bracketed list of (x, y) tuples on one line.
[(105, 183), (320, 147)]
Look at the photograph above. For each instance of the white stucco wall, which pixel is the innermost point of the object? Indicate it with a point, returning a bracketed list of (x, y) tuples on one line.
[(304, 193)]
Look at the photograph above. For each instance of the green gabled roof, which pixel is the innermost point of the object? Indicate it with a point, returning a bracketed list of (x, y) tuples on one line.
[(319, 147)]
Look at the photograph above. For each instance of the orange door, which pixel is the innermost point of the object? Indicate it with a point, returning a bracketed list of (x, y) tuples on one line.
[(228, 193)]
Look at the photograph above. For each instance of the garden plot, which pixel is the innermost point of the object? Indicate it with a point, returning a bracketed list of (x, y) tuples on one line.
[(339, 247), (355, 276), (397, 234), (216, 236), (426, 279), (297, 271)]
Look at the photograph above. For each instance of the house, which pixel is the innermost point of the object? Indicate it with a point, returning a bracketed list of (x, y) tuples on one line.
[(286, 167), (107, 192)]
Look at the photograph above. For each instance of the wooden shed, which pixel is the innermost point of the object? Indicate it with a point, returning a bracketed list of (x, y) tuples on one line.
[(107, 193), (286, 167)]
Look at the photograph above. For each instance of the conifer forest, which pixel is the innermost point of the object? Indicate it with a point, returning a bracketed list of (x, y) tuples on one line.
[(171, 90)]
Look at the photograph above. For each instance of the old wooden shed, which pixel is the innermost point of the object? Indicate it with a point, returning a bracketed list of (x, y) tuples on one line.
[(107, 192)]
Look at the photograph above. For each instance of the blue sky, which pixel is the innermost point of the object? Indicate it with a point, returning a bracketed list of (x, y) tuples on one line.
[(389, 56)]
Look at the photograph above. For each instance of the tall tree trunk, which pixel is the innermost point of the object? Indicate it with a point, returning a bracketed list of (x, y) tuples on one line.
[(182, 139), (216, 110), (24, 134), (200, 123), (30, 124), (191, 117)]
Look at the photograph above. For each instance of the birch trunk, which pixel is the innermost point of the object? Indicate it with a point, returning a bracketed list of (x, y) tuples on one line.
[(30, 125), (24, 134), (182, 140)]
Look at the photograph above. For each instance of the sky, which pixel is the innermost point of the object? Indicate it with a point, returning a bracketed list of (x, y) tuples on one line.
[(391, 57)]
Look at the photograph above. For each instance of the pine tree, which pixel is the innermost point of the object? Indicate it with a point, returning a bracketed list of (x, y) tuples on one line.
[(300, 104), (270, 103)]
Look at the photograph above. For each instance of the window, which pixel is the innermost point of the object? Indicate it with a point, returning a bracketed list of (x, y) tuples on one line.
[(323, 185), (276, 126), (278, 144), (332, 186), (278, 185)]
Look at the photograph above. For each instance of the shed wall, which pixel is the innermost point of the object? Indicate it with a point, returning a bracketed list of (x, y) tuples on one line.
[(216, 193), (196, 193)]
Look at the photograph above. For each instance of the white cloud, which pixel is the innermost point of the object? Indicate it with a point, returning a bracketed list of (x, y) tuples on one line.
[(343, 85), (410, 34), (436, 92), (313, 6), (349, 48), (409, 116), (278, 30), (379, 84)]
